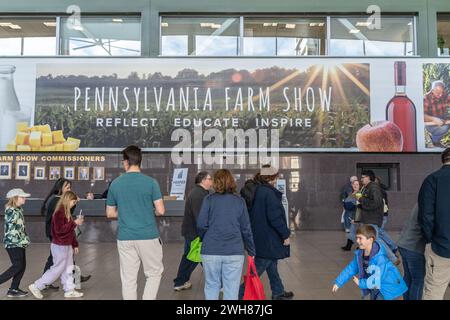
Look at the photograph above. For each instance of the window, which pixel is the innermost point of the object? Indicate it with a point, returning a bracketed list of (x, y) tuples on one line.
[(353, 36), (101, 36), (288, 36), (443, 31), (284, 37), (27, 36), (199, 36)]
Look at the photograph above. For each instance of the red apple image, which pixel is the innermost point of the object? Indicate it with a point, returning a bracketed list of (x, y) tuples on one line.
[(380, 136)]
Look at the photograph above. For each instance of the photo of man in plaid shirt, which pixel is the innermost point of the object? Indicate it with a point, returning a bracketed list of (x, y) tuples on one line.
[(436, 106)]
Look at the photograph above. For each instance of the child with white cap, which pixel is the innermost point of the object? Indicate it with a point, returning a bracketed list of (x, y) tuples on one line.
[(15, 240)]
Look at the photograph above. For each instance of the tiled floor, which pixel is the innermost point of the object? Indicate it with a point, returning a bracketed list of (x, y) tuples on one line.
[(316, 260)]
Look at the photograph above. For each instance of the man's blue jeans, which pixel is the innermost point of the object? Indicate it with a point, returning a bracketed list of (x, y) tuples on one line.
[(382, 234), (437, 132), (222, 269), (186, 266), (271, 267), (414, 268)]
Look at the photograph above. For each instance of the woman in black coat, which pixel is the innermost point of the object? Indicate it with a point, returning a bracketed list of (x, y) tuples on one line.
[(270, 231)]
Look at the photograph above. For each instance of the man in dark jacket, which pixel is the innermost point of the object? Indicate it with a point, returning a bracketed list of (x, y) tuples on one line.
[(371, 207), (270, 232), (434, 220), (203, 183)]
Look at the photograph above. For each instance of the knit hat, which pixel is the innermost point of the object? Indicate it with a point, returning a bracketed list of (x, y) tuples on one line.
[(269, 171)]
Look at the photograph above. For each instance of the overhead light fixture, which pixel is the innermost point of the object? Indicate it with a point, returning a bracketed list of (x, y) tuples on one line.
[(216, 26), (321, 24), (354, 31), (363, 24), (15, 27), (117, 20), (164, 24), (410, 23), (290, 25), (274, 24), (78, 28), (50, 24), (205, 24), (5, 24), (266, 24), (313, 24)]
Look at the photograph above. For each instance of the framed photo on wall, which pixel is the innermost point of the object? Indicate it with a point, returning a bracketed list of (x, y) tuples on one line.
[(5, 170), (99, 173), (69, 173), (22, 171), (39, 173), (54, 173), (83, 173)]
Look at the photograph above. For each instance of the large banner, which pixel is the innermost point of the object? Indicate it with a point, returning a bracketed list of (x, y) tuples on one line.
[(314, 104)]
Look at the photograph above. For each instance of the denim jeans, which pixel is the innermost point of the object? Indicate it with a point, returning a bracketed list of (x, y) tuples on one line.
[(271, 267), (222, 269), (437, 132), (186, 266), (347, 219), (352, 234), (385, 220), (382, 235), (414, 268)]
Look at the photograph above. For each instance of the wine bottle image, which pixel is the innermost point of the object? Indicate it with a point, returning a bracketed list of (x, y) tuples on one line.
[(401, 110)]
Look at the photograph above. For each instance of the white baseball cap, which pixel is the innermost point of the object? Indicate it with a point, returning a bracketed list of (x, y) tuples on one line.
[(17, 193)]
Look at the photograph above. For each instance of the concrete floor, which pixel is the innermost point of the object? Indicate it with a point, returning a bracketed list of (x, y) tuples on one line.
[(315, 261)]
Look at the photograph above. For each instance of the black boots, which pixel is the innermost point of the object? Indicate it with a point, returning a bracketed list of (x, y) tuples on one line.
[(348, 246)]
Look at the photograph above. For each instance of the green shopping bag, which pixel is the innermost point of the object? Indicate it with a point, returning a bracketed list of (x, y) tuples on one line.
[(194, 252)]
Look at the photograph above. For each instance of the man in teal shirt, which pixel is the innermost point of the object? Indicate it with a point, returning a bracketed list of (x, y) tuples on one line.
[(134, 199)]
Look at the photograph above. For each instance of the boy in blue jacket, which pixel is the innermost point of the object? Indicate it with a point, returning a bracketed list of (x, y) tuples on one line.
[(377, 275)]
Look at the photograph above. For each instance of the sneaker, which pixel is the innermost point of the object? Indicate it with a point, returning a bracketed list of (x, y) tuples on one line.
[(51, 287), (287, 295), (185, 286), (16, 293), (35, 291), (73, 294)]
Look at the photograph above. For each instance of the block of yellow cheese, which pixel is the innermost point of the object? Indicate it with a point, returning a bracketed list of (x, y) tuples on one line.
[(23, 148), (47, 139), (59, 147), (21, 126), (11, 146), (58, 136), (48, 148), (22, 138), (35, 139), (45, 129), (76, 141), (70, 146)]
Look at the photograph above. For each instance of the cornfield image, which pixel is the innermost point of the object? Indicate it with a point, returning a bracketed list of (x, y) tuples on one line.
[(294, 93)]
